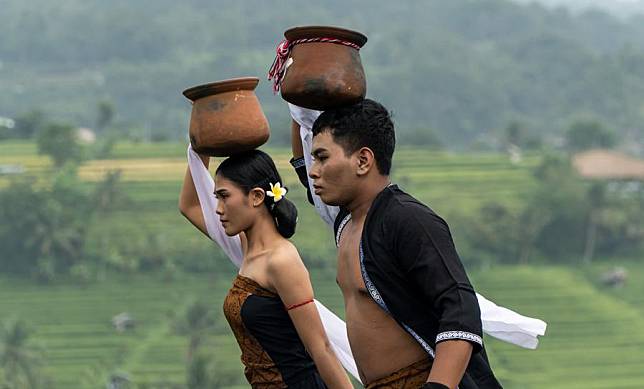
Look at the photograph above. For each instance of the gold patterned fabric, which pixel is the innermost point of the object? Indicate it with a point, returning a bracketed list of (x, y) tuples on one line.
[(260, 370), (411, 377)]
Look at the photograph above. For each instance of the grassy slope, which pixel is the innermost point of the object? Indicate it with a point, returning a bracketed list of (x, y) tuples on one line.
[(593, 339)]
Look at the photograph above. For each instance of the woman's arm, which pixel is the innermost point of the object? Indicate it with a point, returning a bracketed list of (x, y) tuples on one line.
[(189, 205), (201, 209), (290, 279)]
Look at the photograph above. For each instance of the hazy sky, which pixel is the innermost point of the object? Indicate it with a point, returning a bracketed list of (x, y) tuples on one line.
[(618, 7)]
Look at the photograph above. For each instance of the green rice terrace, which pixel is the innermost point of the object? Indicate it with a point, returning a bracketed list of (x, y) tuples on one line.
[(595, 336)]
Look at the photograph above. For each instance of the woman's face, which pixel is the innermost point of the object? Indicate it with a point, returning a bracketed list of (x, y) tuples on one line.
[(235, 208)]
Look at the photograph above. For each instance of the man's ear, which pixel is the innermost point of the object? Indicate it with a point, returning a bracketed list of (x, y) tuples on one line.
[(366, 161), (257, 196)]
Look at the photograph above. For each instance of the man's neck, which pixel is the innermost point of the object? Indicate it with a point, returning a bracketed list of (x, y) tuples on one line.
[(368, 193)]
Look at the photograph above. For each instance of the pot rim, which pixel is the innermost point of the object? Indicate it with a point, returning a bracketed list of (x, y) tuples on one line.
[(213, 88), (305, 32)]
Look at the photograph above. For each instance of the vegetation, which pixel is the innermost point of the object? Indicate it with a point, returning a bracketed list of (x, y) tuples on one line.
[(104, 284), (463, 68)]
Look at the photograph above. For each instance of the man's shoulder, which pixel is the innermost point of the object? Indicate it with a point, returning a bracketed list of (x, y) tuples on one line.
[(404, 206)]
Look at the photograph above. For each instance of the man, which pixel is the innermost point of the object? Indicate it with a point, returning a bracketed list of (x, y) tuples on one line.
[(412, 315)]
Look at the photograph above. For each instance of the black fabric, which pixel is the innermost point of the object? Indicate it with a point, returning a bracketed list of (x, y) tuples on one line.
[(342, 214), (300, 170), (310, 381), (434, 385), (268, 321), (410, 258)]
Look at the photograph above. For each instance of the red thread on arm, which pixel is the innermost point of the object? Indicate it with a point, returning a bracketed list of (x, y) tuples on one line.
[(288, 308)]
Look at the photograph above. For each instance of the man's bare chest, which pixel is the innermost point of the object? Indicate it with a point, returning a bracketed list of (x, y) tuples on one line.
[(349, 271)]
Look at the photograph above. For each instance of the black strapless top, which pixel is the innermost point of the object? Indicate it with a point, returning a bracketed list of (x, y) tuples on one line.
[(272, 352)]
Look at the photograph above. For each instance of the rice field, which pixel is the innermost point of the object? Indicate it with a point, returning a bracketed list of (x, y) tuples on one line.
[(595, 337)]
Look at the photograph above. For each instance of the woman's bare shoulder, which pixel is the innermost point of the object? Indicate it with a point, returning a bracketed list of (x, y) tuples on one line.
[(284, 257)]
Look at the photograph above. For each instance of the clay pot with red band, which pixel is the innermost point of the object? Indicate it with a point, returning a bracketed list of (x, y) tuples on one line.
[(323, 75), (226, 117)]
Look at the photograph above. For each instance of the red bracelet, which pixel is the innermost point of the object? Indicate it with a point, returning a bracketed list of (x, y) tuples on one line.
[(288, 308)]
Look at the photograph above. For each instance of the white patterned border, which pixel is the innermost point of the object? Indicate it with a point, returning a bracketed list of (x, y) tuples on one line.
[(375, 295), (343, 223), (428, 349), (448, 335), (299, 162)]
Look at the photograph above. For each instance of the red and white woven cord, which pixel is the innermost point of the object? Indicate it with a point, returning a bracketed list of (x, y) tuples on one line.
[(276, 72)]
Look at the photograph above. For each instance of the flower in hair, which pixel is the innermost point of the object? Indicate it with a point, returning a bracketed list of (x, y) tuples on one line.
[(276, 192)]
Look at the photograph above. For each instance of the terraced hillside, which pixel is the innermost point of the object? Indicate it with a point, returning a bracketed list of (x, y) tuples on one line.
[(595, 335), (594, 340)]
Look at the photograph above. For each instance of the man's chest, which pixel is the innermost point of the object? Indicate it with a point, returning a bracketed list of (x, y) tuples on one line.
[(349, 271)]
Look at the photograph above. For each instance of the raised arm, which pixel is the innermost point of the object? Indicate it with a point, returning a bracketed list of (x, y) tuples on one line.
[(302, 123), (189, 205), (197, 202), (290, 279), (296, 141)]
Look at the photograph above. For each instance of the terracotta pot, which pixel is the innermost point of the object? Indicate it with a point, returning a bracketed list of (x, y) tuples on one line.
[(323, 75), (226, 117)]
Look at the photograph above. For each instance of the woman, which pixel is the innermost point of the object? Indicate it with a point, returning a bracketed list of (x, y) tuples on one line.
[(270, 305)]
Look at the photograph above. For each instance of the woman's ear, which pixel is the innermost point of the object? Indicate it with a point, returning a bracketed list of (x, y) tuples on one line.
[(257, 196)]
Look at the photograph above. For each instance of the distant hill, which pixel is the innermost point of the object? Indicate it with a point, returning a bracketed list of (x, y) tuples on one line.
[(464, 68), (622, 8)]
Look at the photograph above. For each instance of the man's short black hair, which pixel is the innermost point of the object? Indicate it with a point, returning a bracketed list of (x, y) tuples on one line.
[(365, 124)]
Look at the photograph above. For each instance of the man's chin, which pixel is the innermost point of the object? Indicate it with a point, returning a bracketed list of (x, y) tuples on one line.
[(329, 200)]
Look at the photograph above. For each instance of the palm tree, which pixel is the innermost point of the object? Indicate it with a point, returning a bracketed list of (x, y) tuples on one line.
[(19, 359), (196, 322), (597, 201)]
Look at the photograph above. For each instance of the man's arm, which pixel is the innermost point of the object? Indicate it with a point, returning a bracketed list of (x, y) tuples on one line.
[(302, 166), (298, 161), (423, 245), (450, 362)]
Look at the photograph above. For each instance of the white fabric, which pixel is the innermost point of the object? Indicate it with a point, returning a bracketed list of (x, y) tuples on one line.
[(305, 118), (335, 328), (498, 322), (510, 326), (205, 186)]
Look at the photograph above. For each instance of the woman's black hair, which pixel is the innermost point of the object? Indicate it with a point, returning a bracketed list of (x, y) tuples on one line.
[(256, 169)]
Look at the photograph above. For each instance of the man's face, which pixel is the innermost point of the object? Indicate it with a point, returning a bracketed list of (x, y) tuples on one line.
[(333, 172)]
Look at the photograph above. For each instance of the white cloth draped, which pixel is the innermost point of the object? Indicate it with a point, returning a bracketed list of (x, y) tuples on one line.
[(498, 322)]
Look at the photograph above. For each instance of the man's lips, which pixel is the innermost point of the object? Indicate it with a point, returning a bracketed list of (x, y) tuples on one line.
[(317, 188)]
